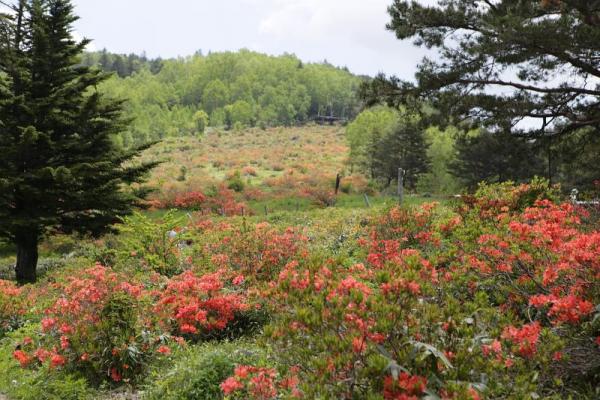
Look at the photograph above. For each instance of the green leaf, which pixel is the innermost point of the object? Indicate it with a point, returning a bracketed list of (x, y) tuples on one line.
[(433, 351)]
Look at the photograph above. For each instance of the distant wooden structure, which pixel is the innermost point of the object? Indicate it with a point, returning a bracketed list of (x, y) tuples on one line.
[(328, 119)]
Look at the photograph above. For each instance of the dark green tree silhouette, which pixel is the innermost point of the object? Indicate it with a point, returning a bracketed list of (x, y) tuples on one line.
[(59, 169), (502, 62), (403, 147), (496, 157)]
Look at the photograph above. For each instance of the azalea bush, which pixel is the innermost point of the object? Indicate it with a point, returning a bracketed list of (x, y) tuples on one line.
[(355, 327), (198, 307), (97, 327), (252, 253), (190, 200), (489, 199), (495, 297), (260, 383), (320, 195), (218, 199), (13, 306), (500, 299)]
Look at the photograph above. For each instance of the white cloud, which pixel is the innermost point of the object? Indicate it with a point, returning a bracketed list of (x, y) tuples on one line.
[(320, 20), (346, 32)]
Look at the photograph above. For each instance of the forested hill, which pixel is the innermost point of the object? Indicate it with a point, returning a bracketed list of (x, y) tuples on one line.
[(180, 97), (123, 65)]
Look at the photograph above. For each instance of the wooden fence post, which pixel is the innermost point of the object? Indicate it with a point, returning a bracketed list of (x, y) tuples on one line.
[(400, 186), (338, 180), (367, 202)]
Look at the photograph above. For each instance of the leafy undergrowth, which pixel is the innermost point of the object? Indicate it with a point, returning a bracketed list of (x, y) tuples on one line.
[(497, 297)]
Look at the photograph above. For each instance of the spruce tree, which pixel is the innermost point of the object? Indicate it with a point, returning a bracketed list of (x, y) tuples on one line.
[(403, 147), (495, 157), (59, 169)]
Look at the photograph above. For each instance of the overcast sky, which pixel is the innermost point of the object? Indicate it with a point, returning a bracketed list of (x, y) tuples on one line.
[(345, 32)]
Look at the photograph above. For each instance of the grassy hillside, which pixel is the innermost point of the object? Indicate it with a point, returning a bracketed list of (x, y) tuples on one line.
[(257, 166)]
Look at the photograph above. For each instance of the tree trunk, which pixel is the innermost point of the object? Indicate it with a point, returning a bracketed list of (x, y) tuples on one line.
[(27, 257)]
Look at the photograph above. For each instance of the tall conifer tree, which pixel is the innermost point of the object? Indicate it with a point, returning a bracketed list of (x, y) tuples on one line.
[(59, 168), (403, 147)]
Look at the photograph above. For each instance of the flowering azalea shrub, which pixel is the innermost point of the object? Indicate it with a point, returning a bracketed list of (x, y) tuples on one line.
[(13, 306), (355, 327), (223, 201), (497, 297), (260, 383), (498, 300), (220, 200), (321, 196), (190, 200), (490, 199), (542, 253), (404, 387), (256, 253), (96, 327), (197, 307)]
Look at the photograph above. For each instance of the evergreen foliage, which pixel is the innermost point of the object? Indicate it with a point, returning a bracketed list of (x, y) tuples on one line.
[(60, 169), (527, 67), (403, 146), (123, 65), (495, 157)]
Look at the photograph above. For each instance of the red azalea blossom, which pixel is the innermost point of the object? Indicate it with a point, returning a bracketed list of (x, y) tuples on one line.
[(22, 357), (56, 360), (526, 337), (115, 375), (230, 385), (404, 388)]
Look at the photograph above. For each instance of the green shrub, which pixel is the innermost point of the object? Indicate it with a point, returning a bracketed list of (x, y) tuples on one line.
[(197, 372), (235, 182), (39, 384), (346, 187), (508, 196), (145, 242)]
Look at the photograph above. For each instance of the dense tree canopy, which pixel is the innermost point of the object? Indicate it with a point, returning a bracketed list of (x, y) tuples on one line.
[(383, 139), (403, 146), (369, 123), (242, 87), (495, 157), (528, 67), (122, 64), (59, 170)]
